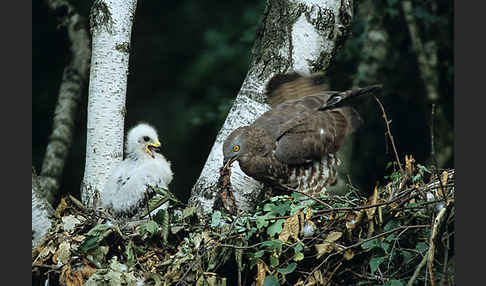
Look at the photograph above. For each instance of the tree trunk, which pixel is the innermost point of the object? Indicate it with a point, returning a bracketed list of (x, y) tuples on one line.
[(301, 36), (74, 79), (426, 53), (41, 212), (111, 25)]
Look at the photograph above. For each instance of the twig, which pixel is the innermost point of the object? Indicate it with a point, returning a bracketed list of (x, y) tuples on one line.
[(52, 267), (319, 266), (348, 209), (344, 248), (365, 207), (307, 195), (392, 251), (437, 222), (390, 136), (209, 247), (239, 246), (383, 234), (332, 273), (432, 141), (445, 269), (76, 202), (417, 270)]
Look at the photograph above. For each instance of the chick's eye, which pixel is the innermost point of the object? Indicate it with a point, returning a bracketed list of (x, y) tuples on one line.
[(146, 138), (236, 148)]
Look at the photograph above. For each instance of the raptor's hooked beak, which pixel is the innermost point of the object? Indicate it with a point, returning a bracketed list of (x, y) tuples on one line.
[(151, 147)]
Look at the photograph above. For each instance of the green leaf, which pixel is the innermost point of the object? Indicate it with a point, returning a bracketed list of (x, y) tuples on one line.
[(416, 178), (423, 168), (274, 261), (273, 244), (89, 243), (370, 244), (391, 225), (375, 263), (275, 228), (289, 269), (394, 283), (162, 218), (390, 237), (296, 196), (271, 281), (296, 208), (129, 253), (407, 256), (298, 256), (268, 207), (97, 230), (149, 228), (161, 191), (391, 3), (422, 247), (299, 247), (216, 218), (259, 253), (261, 222), (153, 204), (188, 212), (385, 246), (279, 210)]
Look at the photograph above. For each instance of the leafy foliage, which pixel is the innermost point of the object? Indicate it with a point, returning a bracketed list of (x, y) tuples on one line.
[(355, 240)]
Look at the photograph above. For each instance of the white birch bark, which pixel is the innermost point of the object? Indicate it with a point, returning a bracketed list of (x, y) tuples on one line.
[(300, 36), (111, 25), (41, 212)]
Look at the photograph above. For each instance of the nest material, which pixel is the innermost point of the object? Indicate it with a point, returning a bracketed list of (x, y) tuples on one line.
[(402, 233)]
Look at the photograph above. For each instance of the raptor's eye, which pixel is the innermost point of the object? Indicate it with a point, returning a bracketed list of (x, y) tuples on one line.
[(236, 148), (146, 138)]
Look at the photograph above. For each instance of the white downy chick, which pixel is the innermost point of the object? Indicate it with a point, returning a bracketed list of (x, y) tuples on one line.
[(128, 187)]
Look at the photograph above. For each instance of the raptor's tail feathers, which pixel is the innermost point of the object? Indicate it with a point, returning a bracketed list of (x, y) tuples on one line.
[(347, 97)]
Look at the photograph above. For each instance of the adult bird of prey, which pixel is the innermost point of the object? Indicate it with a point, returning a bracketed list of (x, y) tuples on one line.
[(294, 144), (132, 182)]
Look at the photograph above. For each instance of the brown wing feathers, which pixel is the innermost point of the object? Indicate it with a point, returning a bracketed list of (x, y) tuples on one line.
[(284, 87), (317, 119)]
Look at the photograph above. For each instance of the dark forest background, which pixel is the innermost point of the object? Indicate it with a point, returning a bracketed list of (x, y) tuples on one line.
[(189, 58)]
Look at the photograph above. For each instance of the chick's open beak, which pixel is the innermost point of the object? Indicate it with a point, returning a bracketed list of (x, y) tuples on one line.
[(151, 147)]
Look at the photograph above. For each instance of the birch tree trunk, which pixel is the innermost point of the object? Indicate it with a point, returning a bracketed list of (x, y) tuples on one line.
[(111, 25), (301, 36), (41, 212), (426, 53), (74, 79)]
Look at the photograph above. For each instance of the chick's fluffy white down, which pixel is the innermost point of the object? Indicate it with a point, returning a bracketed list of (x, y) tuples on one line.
[(126, 188)]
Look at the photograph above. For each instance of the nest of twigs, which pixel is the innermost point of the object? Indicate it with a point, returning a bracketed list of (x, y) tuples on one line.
[(402, 234)]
